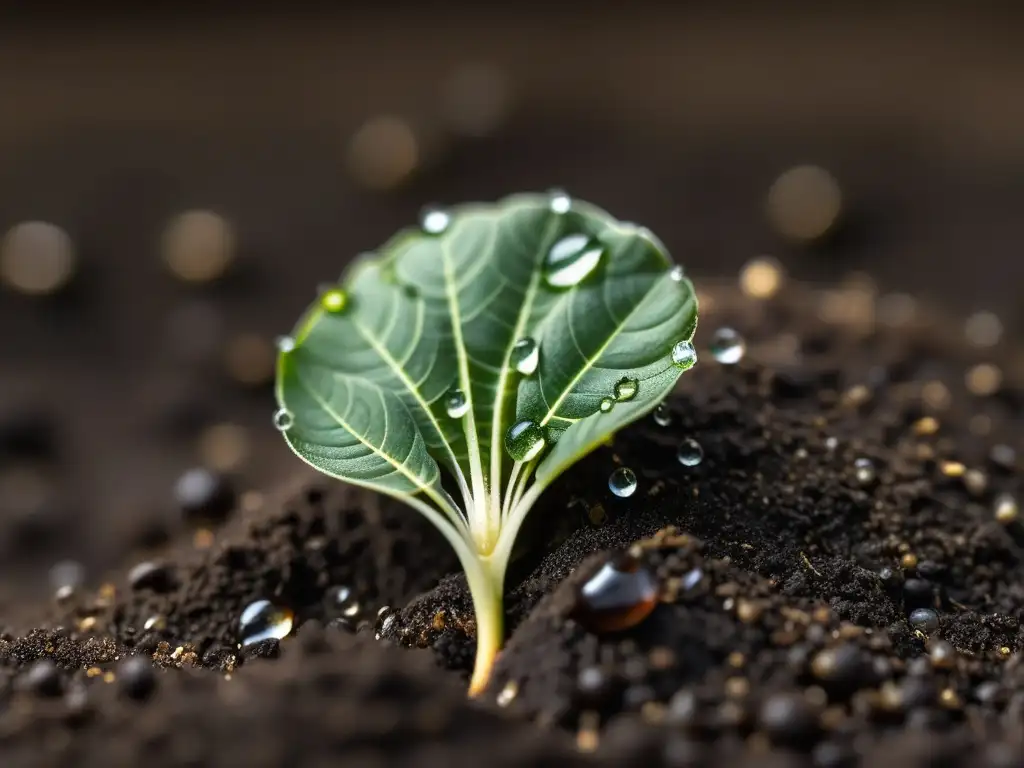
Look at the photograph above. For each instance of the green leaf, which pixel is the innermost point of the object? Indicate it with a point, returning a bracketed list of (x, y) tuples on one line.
[(438, 313)]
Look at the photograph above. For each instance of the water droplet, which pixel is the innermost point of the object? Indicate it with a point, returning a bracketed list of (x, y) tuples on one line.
[(620, 595), (525, 356), (524, 440), (333, 300), (560, 201), (342, 601), (285, 344), (457, 404), (684, 355), (386, 619), (677, 273), (626, 389), (727, 346), (571, 259), (864, 471), (283, 419), (690, 453), (622, 482), (606, 404), (662, 415), (262, 620), (435, 221), (924, 619)]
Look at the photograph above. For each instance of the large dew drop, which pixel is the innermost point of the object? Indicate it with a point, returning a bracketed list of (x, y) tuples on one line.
[(684, 355), (283, 419), (622, 482), (525, 356), (690, 453), (435, 221), (626, 389), (620, 595), (285, 344), (606, 404), (524, 440), (571, 259), (727, 346), (457, 404), (677, 274), (262, 620)]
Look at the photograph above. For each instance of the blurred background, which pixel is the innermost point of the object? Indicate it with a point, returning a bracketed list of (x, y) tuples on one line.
[(173, 187)]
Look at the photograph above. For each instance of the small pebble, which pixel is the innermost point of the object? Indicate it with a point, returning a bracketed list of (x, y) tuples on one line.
[(788, 720), (136, 677), (44, 678), (204, 496), (924, 619), (158, 577)]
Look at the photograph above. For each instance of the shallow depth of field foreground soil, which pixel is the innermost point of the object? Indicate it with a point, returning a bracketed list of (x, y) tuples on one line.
[(857, 467)]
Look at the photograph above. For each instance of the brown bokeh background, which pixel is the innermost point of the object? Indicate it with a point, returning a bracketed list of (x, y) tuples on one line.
[(680, 119)]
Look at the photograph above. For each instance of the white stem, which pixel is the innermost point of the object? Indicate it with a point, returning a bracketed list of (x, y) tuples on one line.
[(447, 508), (506, 504), (517, 515)]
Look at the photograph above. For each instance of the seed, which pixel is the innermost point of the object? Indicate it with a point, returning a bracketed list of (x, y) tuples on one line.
[(924, 619), (620, 595)]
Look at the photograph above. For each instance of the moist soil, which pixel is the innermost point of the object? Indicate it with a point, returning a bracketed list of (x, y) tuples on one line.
[(850, 476)]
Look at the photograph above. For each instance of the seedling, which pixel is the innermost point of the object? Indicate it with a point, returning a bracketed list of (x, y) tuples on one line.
[(471, 361)]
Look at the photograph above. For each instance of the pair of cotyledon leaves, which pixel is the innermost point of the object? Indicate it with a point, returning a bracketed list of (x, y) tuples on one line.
[(433, 318)]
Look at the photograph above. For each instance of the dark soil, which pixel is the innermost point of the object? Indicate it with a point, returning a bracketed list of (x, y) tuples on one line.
[(786, 576)]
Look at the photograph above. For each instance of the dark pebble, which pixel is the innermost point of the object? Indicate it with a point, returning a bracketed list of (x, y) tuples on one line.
[(136, 677), (788, 720), (44, 678), (158, 577), (204, 496), (924, 619), (342, 624), (918, 593)]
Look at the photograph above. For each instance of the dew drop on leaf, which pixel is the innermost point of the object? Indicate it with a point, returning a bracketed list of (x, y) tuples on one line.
[(284, 344), (525, 356), (690, 453), (560, 201), (677, 273), (435, 221), (524, 440), (333, 300), (622, 482), (606, 404), (626, 389), (662, 415), (571, 259), (456, 404), (283, 419), (684, 355), (727, 346), (262, 620), (621, 594)]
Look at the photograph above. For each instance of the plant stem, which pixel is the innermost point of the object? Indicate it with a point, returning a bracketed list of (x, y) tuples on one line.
[(486, 578)]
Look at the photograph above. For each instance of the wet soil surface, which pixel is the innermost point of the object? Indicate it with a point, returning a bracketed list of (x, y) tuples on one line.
[(839, 581)]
